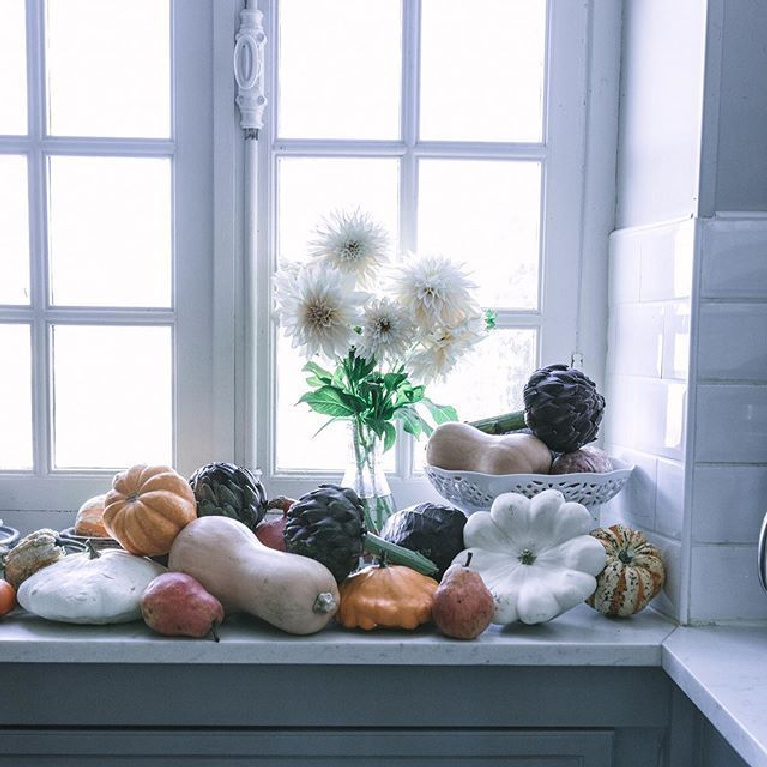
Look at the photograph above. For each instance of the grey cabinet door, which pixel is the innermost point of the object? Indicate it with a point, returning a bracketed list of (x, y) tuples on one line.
[(308, 748)]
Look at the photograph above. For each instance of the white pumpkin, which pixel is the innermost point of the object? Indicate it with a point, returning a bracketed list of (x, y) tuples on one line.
[(78, 589), (535, 556)]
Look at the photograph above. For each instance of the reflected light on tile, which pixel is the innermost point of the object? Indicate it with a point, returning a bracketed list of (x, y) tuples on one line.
[(675, 405), (684, 242)]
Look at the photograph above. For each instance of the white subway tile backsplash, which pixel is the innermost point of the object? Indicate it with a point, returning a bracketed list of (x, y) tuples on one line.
[(647, 415), (638, 340), (635, 504), (731, 423), (733, 341), (667, 258), (676, 340), (734, 256), (624, 267), (724, 584), (669, 500), (728, 503), (669, 600)]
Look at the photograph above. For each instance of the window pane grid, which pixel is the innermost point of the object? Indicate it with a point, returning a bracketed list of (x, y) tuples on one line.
[(39, 313), (412, 152)]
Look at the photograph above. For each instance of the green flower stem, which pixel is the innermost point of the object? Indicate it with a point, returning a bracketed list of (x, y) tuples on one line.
[(501, 424), (399, 555)]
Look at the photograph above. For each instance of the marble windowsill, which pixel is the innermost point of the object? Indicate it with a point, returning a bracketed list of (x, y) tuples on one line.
[(722, 669), (580, 637)]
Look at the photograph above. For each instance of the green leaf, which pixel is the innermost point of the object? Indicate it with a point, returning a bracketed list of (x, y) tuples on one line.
[(393, 381), (390, 435), (412, 423), (328, 400), (322, 374), (440, 413)]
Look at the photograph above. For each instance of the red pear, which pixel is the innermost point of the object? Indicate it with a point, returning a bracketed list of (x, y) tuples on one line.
[(175, 604), (463, 606)]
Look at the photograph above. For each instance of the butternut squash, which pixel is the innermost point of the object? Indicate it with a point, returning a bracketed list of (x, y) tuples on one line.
[(294, 593), (461, 447)]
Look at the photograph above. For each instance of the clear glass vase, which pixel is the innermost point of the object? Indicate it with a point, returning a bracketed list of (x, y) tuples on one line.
[(365, 475)]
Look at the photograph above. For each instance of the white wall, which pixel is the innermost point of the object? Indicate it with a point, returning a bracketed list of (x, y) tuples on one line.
[(688, 299), (660, 111)]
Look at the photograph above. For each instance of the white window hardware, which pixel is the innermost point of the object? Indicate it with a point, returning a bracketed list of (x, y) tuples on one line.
[(249, 70)]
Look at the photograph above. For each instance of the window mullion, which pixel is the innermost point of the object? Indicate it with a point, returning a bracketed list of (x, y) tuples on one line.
[(38, 284), (411, 15)]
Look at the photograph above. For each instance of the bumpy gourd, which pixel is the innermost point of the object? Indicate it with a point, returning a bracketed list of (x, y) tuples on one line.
[(535, 555), (634, 573), (147, 507), (392, 596), (461, 447), (33, 552)]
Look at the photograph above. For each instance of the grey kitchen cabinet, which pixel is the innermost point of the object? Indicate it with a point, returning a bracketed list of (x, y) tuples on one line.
[(404, 716)]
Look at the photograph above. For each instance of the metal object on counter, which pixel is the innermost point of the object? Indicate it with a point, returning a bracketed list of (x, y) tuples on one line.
[(762, 555)]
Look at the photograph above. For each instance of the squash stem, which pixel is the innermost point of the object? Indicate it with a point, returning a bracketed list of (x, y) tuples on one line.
[(399, 555), (501, 424)]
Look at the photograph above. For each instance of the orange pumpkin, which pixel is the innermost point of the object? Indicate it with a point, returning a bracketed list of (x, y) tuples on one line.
[(394, 596), (90, 518), (147, 507), (7, 598)]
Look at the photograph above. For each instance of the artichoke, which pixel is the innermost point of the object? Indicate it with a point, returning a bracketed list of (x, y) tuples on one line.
[(328, 525), (226, 490), (563, 409)]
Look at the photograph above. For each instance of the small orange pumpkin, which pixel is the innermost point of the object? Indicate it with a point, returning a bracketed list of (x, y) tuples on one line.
[(7, 598), (394, 596), (147, 507), (90, 518)]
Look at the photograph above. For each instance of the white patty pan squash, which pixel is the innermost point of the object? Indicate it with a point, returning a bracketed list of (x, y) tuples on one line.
[(535, 555), (78, 589)]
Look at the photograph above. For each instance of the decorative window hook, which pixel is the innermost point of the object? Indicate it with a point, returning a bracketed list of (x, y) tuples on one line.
[(248, 60)]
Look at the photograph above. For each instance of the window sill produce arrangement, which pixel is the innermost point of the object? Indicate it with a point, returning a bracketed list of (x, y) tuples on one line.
[(374, 335), (525, 560)]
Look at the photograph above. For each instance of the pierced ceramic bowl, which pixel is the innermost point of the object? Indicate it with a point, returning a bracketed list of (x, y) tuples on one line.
[(471, 491)]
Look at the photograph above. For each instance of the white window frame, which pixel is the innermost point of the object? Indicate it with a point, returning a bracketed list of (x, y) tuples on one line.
[(205, 147), (574, 212)]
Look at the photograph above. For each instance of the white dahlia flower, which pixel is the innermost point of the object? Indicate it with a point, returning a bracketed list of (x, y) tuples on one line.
[(318, 307), (387, 332), (353, 243), (435, 290), (443, 346)]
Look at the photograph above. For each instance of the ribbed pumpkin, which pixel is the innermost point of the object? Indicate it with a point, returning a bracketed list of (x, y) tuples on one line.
[(634, 573), (393, 596), (147, 507)]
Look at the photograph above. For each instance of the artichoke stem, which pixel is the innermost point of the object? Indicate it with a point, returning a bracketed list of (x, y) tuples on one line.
[(501, 424), (399, 555)]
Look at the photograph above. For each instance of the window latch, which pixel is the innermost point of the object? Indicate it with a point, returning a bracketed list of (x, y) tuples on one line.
[(249, 43)]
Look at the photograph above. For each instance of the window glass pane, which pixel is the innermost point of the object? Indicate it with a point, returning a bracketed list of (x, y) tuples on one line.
[(482, 70), (309, 189), (486, 214), (14, 230), (488, 380), (13, 68), (296, 446), (15, 397), (112, 396), (108, 67), (339, 69), (110, 231)]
